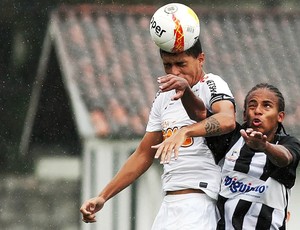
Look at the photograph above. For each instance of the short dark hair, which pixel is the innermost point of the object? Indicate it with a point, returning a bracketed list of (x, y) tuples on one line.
[(194, 51)]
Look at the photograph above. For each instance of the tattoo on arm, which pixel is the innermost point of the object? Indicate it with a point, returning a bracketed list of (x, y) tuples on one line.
[(212, 127)]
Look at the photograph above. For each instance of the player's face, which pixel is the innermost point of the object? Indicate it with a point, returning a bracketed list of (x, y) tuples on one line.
[(262, 112), (185, 66)]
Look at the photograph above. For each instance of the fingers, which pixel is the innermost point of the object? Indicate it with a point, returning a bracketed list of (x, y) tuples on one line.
[(89, 218), (86, 209), (254, 139), (170, 147), (158, 151), (88, 212), (251, 133), (90, 208), (162, 152), (167, 86), (156, 146), (165, 152), (243, 133), (176, 152), (170, 82), (257, 135), (166, 155), (178, 95)]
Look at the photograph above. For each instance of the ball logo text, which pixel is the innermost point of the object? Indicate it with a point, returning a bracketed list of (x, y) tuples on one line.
[(158, 30)]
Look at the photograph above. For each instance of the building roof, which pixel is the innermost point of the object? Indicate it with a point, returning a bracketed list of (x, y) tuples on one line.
[(112, 60), (109, 63)]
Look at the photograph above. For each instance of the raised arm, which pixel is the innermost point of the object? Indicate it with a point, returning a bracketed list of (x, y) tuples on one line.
[(193, 105), (133, 168), (221, 122), (278, 154)]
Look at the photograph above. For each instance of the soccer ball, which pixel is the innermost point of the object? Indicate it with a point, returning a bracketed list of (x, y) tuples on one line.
[(174, 27)]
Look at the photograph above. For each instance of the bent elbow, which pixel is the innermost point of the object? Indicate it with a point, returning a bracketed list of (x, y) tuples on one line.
[(230, 125), (285, 161), (198, 116)]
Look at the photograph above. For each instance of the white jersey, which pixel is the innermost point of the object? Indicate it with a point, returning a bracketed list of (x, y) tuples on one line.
[(195, 167)]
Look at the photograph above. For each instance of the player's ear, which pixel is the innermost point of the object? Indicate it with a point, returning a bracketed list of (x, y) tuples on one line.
[(201, 58), (281, 116)]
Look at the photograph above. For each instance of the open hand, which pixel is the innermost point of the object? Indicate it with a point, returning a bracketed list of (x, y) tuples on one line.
[(169, 146), (254, 139)]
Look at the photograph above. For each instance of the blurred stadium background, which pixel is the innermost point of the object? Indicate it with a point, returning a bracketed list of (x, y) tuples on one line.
[(35, 193)]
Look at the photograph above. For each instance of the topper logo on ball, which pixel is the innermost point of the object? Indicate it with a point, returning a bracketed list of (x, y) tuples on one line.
[(158, 30), (171, 9)]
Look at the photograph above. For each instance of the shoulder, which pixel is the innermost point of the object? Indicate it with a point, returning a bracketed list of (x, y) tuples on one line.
[(215, 83), (283, 139), (220, 145), (212, 77), (163, 95), (291, 143), (217, 88)]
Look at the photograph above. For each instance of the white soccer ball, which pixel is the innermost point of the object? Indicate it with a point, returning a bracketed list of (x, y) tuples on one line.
[(174, 27)]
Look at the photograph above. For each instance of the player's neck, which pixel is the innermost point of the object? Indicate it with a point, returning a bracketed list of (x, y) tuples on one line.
[(202, 76)]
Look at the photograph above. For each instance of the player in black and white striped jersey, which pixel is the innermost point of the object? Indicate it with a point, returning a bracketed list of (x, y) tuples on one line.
[(259, 169)]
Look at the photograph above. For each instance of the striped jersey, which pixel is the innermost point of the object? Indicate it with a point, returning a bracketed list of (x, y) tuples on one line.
[(255, 192), (195, 167)]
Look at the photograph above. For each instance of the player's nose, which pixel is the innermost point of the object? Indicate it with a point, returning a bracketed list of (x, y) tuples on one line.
[(258, 109), (175, 70)]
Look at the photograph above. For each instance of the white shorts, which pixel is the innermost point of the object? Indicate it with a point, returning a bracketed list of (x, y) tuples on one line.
[(192, 211)]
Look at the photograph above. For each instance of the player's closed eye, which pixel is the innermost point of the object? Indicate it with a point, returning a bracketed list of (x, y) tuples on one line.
[(167, 66), (252, 105), (180, 64)]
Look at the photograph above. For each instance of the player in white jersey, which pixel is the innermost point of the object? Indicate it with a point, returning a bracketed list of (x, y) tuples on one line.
[(196, 161), (196, 168), (191, 184)]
